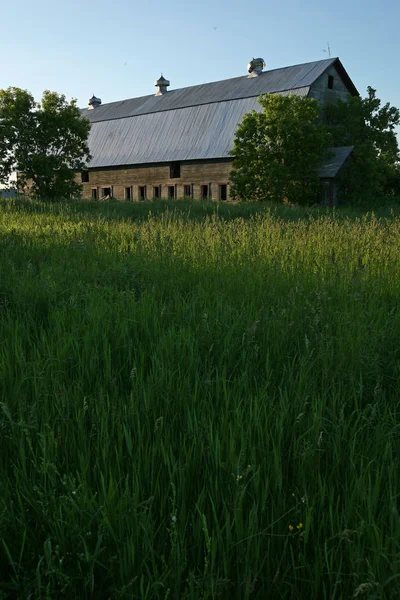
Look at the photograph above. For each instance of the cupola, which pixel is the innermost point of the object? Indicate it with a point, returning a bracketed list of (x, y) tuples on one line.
[(94, 102), (162, 85), (255, 67)]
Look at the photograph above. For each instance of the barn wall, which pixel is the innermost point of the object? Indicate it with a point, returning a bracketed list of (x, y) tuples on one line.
[(193, 173), (321, 92), (328, 191)]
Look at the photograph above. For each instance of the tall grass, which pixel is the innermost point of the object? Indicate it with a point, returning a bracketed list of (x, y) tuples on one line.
[(198, 402)]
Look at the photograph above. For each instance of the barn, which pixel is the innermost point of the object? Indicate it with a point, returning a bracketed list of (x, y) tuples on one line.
[(176, 143)]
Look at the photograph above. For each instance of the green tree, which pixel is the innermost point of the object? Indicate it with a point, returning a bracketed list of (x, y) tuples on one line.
[(370, 128), (277, 151), (44, 142)]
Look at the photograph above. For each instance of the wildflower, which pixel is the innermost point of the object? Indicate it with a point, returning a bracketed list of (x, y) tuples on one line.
[(174, 519), (239, 477), (300, 526), (291, 527)]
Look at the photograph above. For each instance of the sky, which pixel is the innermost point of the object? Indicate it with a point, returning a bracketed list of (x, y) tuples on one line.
[(117, 49)]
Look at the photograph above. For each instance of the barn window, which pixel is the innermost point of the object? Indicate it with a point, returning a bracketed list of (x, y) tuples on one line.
[(187, 191), (94, 193), (223, 191), (204, 192), (174, 170), (106, 192), (171, 192), (156, 191), (142, 192), (128, 193), (330, 82), (85, 176)]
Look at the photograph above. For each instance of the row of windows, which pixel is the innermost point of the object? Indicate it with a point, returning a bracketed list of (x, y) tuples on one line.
[(143, 191)]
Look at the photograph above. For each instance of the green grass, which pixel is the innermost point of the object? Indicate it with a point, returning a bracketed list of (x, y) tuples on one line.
[(199, 401)]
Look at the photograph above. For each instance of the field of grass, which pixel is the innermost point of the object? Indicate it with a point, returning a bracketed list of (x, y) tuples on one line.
[(198, 402)]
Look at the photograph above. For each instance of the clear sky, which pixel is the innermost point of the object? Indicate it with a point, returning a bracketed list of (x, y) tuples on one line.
[(116, 49)]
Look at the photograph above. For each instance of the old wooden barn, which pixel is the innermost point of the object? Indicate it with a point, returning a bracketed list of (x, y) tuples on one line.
[(176, 143)]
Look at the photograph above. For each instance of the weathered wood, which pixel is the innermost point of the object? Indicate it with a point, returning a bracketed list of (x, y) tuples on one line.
[(193, 173), (321, 91)]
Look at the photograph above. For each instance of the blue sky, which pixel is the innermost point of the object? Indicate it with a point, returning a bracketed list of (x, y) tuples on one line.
[(117, 49)]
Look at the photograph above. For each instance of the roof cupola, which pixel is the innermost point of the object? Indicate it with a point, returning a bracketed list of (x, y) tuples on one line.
[(94, 102), (162, 85), (255, 67)]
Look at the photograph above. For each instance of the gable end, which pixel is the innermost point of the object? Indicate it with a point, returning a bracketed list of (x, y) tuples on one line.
[(333, 84)]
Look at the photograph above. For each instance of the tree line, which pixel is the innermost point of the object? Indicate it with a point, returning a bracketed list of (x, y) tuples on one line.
[(276, 151), (45, 142)]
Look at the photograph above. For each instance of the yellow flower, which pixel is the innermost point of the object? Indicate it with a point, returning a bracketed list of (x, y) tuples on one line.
[(300, 526), (291, 527)]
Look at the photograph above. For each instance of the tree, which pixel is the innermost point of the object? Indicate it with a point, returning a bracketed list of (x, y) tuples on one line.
[(45, 142), (370, 128), (277, 151)]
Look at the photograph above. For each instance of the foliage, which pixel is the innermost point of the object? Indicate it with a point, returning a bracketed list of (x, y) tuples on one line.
[(201, 408), (277, 151), (370, 128), (44, 142)]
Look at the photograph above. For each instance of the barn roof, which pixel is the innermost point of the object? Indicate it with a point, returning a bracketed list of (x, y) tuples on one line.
[(334, 161), (196, 132), (192, 123)]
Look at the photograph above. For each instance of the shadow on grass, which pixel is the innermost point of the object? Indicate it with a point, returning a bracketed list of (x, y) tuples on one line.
[(149, 400), (191, 210)]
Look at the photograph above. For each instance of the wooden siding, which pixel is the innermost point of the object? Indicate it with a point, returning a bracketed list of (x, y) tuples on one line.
[(194, 173), (319, 89)]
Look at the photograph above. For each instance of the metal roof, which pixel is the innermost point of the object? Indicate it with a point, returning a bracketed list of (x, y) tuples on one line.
[(277, 80), (336, 157), (197, 122), (196, 132)]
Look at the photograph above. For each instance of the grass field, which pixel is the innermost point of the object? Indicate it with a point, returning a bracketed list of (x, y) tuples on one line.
[(199, 401)]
